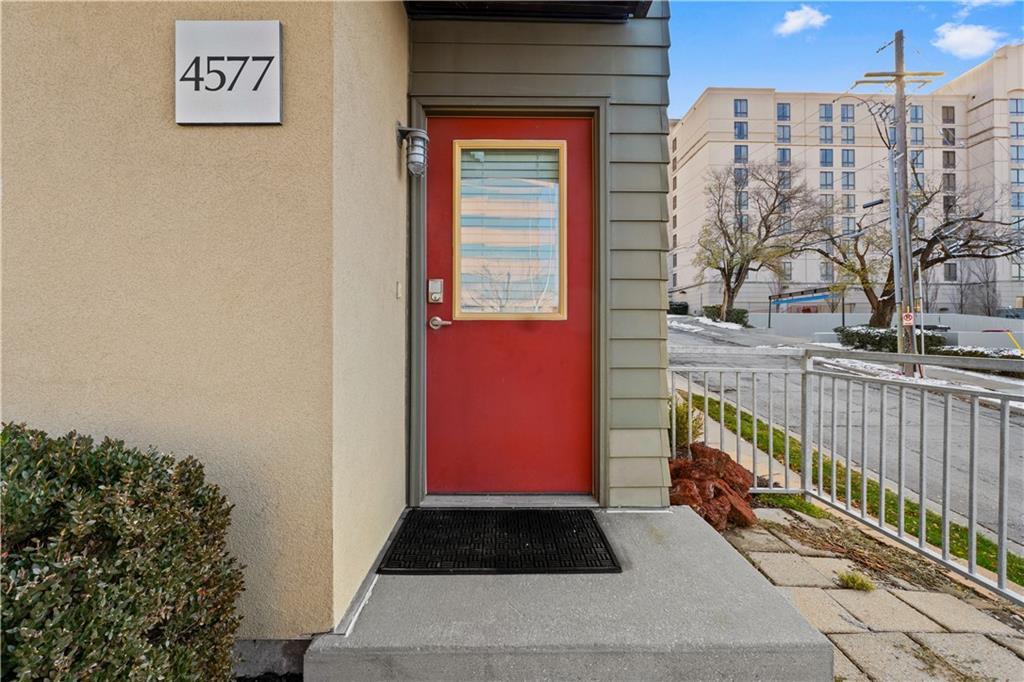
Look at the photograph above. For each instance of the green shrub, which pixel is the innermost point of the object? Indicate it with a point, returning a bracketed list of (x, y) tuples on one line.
[(114, 563), (882, 340), (976, 352), (696, 417), (736, 315), (679, 308)]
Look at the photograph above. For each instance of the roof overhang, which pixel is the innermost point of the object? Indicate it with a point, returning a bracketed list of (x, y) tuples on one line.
[(515, 10)]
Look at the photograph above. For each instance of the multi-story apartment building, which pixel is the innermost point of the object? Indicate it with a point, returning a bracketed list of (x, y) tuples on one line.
[(966, 137)]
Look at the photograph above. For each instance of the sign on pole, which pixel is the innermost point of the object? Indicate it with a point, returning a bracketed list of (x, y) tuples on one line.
[(227, 71), (908, 319)]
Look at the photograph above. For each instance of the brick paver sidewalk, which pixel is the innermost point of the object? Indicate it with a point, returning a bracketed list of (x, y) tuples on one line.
[(898, 631)]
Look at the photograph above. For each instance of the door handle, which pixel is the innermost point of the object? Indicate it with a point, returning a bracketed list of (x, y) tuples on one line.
[(436, 322)]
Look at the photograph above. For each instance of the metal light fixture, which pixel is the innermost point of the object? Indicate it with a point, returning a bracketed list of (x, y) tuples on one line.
[(416, 140)]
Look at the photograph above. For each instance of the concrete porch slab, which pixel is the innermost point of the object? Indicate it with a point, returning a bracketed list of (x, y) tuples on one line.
[(686, 606)]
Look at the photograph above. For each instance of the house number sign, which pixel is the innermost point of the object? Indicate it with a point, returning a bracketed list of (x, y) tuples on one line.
[(227, 72)]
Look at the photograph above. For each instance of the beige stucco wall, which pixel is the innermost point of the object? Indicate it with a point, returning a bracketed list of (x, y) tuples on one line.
[(176, 286), (370, 260)]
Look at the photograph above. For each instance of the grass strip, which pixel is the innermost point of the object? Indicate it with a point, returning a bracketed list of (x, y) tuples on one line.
[(987, 551)]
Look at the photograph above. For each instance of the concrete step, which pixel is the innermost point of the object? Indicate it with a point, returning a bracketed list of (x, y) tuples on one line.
[(686, 606)]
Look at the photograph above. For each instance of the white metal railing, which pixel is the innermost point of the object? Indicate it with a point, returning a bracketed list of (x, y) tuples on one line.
[(873, 447)]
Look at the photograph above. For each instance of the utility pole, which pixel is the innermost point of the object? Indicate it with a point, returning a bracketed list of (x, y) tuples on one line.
[(902, 255)]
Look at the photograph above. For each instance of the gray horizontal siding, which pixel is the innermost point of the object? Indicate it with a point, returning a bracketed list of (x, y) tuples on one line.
[(628, 89), (639, 148), (626, 64), (638, 32), (632, 234), (639, 177), (551, 59)]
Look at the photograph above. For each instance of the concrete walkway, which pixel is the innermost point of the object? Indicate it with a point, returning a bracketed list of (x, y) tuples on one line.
[(890, 633), (685, 607)]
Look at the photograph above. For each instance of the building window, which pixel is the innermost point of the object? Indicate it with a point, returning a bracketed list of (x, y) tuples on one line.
[(674, 141), (918, 179), (673, 202), (827, 200), (785, 155), (785, 179), (826, 270), (825, 158), (825, 180), (739, 176), (787, 271), (1017, 267), (948, 203), (948, 137), (917, 158), (824, 112), (675, 260), (827, 224), (948, 115), (917, 136), (739, 153), (916, 113), (1017, 153), (849, 135), (849, 225), (1017, 129), (739, 108), (825, 134), (674, 225), (849, 203), (675, 279), (1017, 176), (849, 158), (949, 182), (782, 111), (892, 136), (782, 133), (739, 130), (742, 201), (948, 159), (1017, 106), (1017, 200), (919, 224), (675, 182), (849, 180), (675, 240), (846, 113), (949, 272)]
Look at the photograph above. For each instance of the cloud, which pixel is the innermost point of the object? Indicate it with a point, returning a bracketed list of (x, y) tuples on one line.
[(967, 41), (967, 5), (801, 19)]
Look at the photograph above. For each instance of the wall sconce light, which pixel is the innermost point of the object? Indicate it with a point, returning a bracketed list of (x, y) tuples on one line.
[(416, 140)]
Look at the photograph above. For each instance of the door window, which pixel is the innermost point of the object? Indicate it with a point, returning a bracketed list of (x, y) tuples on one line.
[(509, 230)]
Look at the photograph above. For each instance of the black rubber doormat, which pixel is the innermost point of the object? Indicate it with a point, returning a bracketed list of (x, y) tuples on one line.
[(499, 541)]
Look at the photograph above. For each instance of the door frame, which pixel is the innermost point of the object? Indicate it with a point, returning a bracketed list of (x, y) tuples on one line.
[(595, 108)]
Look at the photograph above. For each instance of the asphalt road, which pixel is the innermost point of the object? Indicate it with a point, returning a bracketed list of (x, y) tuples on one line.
[(987, 431)]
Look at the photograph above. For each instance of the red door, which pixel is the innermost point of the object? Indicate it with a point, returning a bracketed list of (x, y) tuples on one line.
[(510, 255)]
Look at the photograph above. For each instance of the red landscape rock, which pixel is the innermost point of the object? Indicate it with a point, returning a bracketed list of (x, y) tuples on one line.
[(715, 486)]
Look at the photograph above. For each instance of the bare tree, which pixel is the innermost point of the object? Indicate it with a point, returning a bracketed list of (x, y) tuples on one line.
[(947, 223), (981, 275), (930, 288), (946, 227), (757, 215)]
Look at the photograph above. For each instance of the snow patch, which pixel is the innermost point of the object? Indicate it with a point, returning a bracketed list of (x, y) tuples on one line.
[(722, 325)]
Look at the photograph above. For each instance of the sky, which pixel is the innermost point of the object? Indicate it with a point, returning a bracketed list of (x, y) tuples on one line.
[(825, 46)]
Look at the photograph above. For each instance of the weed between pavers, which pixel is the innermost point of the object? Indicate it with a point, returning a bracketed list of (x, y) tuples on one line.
[(884, 562), (853, 580)]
